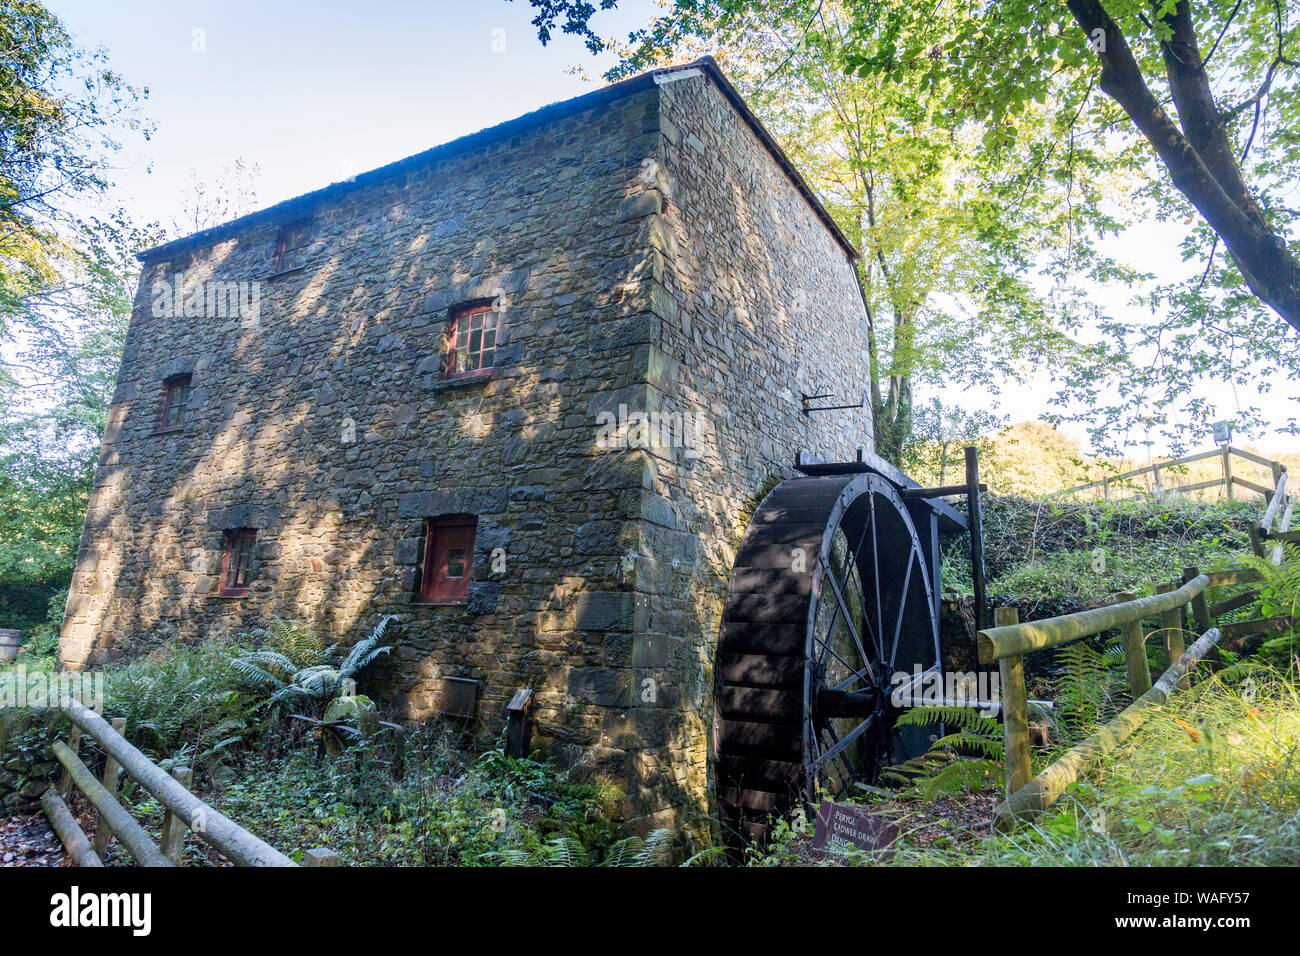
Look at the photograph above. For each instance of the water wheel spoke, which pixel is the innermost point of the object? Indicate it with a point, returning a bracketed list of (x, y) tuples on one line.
[(875, 572), (826, 646), (902, 608), (905, 691), (842, 743), (858, 676), (842, 608), (852, 569)]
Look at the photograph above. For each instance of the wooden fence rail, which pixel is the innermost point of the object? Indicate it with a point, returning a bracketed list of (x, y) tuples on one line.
[(1043, 790), (1275, 525), (1176, 604), (184, 811), (1227, 478)]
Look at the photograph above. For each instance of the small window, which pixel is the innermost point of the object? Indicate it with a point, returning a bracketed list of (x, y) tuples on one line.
[(291, 247), (472, 341), (448, 559), (176, 402), (237, 562)]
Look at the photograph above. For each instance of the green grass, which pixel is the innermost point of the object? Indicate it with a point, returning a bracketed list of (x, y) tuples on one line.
[(1213, 778)]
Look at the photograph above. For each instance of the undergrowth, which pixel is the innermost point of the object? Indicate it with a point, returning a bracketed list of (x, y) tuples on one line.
[(1212, 779), (1047, 556)]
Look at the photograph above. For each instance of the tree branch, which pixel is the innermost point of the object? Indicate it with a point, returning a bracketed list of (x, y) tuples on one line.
[(1262, 256)]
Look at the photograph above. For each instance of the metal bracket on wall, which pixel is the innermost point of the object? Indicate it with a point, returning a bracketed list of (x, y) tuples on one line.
[(829, 408)]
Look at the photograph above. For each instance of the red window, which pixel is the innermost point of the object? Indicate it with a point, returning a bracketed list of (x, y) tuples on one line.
[(237, 562), (448, 559), (472, 341), (176, 402), (291, 246)]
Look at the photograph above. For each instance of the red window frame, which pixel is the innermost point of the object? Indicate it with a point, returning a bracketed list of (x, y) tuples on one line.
[(176, 402), (471, 341), (289, 244), (448, 559), (237, 562)]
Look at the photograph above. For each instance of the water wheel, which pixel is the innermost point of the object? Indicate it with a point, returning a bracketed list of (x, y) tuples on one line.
[(830, 597)]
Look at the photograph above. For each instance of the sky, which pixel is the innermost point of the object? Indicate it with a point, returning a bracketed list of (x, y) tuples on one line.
[(314, 93)]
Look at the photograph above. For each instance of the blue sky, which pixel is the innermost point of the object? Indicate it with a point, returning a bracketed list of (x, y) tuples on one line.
[(316, 92)]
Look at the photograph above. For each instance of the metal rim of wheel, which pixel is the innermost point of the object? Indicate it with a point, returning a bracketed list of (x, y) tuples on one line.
[(830, 597)]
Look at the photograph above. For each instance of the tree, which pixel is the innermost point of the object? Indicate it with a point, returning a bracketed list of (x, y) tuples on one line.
[(209, 203), (935, 454), (50, 430), (60, 109)]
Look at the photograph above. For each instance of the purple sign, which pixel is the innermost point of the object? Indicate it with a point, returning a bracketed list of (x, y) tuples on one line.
[(844, 827)]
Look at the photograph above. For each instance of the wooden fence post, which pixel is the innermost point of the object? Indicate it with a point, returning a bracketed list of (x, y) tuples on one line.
[(1172, 623), (112, 775), (1201, 615), (1227, 469), (1200, 610), (1135, 653), (320, 856), (74, 744), (173, 828), (1015, 709)]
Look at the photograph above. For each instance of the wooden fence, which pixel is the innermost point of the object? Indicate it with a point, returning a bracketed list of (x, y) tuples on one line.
[(1275, 525), (1158, 472), (1179, 605), (184, 811)]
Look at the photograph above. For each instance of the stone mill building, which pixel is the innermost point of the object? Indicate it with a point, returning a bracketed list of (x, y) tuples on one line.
[(522, 391)]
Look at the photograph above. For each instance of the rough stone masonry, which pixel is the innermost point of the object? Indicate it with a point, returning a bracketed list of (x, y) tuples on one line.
[(649, 256)]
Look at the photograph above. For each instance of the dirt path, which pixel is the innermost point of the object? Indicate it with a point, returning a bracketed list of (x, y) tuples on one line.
[(29, 841)]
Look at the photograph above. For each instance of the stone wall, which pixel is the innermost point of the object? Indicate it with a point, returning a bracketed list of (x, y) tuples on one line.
[(354, 340), (758, 305), (646, 253)]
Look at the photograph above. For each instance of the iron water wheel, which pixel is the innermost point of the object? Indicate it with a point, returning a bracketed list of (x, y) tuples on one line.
[(829, 598)]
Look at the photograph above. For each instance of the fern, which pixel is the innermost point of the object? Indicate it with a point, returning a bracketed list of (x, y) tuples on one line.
[(1279, 594), (965, 718), (1084, 688), (297, 672), (947, 767), (961, 776), (563, 850), (985, 746)]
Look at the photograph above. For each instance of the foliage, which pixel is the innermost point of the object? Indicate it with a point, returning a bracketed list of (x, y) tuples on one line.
[(61, 109), (561, 850), (183, 704), (1054, 556), (1086, 683), (50, 431), (1279, 596), (448, 808), (297, 674), (966, 758), (934, 454)]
